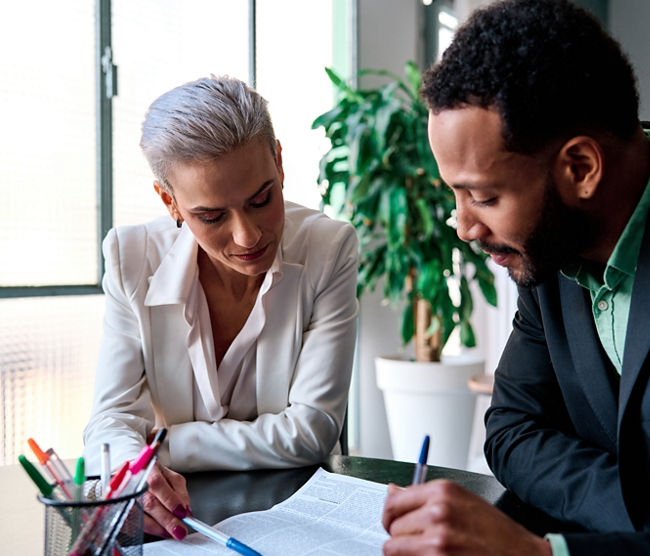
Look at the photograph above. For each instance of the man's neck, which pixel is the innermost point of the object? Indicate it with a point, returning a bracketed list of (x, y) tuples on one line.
[(626, 177)]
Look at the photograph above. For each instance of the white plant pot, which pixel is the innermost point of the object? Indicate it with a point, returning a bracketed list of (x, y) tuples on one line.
[(429, 398)]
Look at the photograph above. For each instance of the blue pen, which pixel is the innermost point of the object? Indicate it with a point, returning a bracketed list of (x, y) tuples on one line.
[(420, 473), (222, 538)]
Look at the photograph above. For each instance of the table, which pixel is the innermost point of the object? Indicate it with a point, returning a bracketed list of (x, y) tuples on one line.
[(217, 495)]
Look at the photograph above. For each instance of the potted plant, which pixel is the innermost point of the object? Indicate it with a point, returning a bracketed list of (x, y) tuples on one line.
[(381, 175)]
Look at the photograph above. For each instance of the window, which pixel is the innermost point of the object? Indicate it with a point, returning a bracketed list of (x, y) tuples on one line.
[(55, 218)]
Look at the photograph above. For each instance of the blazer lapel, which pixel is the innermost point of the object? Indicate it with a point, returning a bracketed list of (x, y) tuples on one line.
[(276, 346), (588, 355), (637, 340)]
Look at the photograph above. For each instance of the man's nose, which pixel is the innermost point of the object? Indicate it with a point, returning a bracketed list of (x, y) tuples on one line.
[(468, 226)]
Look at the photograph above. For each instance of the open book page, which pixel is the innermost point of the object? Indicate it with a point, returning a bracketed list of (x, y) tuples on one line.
[(330, 514)]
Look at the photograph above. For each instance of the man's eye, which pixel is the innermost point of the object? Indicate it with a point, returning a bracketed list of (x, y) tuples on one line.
[(484, 203)]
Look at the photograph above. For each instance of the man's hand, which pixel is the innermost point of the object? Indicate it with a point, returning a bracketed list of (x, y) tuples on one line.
[(441, 517), (165, 502)]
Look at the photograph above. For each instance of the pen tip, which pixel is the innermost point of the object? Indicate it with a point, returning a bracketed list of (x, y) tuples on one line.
[(424, 453), (160, 436)]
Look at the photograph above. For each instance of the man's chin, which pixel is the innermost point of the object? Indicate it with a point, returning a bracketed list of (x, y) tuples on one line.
[(526, 276)]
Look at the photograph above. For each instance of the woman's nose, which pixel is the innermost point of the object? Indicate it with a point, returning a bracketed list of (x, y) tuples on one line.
[(245, 231)]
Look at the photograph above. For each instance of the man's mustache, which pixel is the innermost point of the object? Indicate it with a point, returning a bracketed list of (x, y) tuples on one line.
[(497, 249)]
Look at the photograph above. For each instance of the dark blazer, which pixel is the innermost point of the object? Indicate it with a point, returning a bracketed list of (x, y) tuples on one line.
[(564, 431)]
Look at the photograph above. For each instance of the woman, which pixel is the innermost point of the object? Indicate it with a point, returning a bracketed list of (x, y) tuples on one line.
[(233, 323)]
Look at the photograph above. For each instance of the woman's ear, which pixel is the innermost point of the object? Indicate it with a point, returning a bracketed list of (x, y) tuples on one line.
[(278, 160), (168, 200), (578, 168)]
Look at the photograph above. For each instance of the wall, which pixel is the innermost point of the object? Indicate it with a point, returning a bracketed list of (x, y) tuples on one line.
[(628, 22), (387, 38)]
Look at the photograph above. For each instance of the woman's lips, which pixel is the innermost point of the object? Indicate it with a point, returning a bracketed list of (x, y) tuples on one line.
[(252, 256)]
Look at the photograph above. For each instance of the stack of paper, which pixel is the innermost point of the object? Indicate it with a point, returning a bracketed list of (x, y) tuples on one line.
[(330, 514)]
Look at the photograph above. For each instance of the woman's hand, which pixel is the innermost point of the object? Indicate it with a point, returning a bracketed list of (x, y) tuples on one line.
[(165, 502), (440, 517)]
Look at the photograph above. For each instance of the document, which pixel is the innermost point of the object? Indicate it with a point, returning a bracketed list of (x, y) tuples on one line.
[(330, 514)]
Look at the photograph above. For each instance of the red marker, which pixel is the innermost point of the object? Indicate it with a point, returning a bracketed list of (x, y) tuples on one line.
[(90, 529)]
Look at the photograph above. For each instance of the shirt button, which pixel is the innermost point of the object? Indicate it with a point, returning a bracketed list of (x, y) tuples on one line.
[(603, 305)]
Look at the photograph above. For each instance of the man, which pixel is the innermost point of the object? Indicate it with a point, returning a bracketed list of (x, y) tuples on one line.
[(534, 124)]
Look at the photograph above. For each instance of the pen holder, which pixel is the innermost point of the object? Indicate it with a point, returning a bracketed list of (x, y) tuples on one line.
[(94, 526)]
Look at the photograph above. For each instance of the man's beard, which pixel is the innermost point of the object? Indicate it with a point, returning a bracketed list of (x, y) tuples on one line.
[(560, 235)]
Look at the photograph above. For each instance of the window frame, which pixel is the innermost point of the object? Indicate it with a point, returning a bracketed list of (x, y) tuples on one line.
[(106, 79)]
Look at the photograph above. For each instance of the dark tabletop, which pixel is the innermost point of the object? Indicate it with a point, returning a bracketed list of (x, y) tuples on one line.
[(217, 495)]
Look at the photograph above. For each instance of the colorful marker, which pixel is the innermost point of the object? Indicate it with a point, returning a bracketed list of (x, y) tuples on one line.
[(54, 466), (45, 487)]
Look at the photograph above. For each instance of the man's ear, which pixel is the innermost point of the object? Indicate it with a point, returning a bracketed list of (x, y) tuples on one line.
[(578, 168)]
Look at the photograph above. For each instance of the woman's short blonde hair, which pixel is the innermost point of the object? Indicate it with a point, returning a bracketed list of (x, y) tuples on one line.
[(202, 120)]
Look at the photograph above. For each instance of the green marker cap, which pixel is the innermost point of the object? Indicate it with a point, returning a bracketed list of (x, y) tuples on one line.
[(45, 487), (80, 475)]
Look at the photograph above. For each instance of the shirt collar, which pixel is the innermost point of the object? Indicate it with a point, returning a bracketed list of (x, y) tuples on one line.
[(625, 255), (172, 282)]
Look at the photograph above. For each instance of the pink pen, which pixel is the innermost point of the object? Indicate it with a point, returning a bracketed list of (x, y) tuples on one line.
[(120, 484), (90, 528), (140, 463)]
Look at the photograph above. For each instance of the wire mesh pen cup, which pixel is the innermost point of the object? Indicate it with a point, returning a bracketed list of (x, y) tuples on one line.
[(94, 526)]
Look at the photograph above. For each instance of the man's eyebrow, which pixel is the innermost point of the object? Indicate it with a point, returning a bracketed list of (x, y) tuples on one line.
[(201, 208), (468, 186)]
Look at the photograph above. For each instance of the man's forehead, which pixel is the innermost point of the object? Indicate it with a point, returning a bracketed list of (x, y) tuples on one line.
[(467, 125), (466, 140)]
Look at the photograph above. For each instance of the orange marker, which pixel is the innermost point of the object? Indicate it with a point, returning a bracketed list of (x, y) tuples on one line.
[(54, 466)]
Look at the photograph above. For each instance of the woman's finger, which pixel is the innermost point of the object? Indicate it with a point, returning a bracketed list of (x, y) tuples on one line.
[(164, 505)]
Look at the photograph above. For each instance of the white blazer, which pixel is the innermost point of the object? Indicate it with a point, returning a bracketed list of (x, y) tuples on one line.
[(152, 365)]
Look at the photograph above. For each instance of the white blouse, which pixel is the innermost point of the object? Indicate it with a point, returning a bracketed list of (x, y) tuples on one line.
[(279, 396)]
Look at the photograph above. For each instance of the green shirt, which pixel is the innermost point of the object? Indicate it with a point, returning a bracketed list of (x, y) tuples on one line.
[(611, 293), (610, 301)]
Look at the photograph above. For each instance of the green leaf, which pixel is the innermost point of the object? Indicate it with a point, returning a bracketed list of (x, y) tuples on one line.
[(426, 218), (414, 78), (408, 322), (488, 290), (380, 169), (467, 337), (466, 305)]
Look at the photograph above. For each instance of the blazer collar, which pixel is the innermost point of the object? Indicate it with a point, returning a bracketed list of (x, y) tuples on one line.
[(589, 358), (172, 281), (637, 341)]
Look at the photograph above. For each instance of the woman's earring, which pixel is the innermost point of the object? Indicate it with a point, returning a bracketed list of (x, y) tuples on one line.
[(178, 223)]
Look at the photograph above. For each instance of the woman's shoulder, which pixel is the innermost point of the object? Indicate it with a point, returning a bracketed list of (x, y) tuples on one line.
[(135, 251), (311, 233), (159, 232), (300, 217)]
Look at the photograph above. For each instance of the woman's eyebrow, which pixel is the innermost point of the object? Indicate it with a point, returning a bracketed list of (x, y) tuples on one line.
[(201, 208)]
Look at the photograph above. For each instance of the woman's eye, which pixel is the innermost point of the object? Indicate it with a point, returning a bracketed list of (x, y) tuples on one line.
[(210, 218), (262, 199)]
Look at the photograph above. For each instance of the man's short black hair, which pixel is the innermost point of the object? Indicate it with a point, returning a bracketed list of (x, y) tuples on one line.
[(547, 66)]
